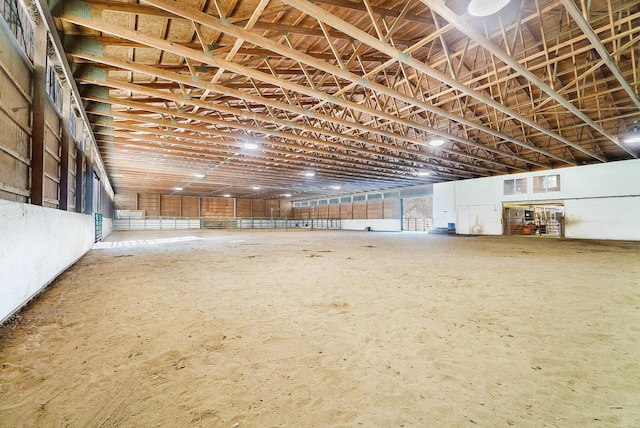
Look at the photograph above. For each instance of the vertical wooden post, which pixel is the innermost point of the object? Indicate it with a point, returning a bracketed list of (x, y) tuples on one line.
[(39, 83)]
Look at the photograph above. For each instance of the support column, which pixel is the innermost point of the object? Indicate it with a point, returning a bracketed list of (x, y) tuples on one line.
[(39, 83)]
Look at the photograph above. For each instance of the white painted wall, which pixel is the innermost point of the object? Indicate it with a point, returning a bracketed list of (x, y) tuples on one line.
[(36, 245), (601, 201), (382, 225)]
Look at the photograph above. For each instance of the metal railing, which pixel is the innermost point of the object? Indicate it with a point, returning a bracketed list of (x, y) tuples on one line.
[(209, 223)]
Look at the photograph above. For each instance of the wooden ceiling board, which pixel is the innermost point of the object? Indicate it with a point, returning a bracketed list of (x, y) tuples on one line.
[(355, 90)]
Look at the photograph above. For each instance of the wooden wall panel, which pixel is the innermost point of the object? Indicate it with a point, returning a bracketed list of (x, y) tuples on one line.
[(313, 212), (360, 210), (150, 204), (334, 211), (170, 206), (391, 208), (273, 209), (216, 207), (52, 148), (15, 123), (346, 210), (191, 206), (323, 211), (126, 201), (374, 209), (259, 208), (243, 207)]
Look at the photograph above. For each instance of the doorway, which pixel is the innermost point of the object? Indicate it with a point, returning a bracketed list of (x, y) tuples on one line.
[(543, 220)]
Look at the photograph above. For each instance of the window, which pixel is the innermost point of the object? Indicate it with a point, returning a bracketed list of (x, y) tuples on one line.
[(359, 198), (546, 183), (73, 124), (515, 186), (374, 196), (304, 204), (16, 18), (322, 202), (334, 201), (388, 195), (54, 88), (345, 199), (313, 203)]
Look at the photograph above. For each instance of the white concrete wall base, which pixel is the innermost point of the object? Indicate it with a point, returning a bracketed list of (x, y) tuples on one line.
[(36, 245), (388, 225)]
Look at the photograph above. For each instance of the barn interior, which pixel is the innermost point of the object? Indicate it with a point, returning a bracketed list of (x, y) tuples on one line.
[(438, 143)]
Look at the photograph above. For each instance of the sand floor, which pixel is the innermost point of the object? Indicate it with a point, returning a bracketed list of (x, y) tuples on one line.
[(323, 329)]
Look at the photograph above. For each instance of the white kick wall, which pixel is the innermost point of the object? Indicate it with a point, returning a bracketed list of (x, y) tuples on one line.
[(600, 201), (36, 245)]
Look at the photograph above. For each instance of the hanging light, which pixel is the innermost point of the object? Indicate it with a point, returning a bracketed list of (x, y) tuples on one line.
[(485, 7), (437, 142)]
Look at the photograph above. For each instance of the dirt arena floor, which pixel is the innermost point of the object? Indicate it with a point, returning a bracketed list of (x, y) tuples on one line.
[(330, 329)]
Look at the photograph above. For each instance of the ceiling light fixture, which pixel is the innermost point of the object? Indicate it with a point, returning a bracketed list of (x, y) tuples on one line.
[(287, 195), (423, 173), (250, 146), (336, 187), (309, 174), (485, 7), (633, 137), (256, 187), (226, 195), (437, 142), (199, 175), (178, 188)]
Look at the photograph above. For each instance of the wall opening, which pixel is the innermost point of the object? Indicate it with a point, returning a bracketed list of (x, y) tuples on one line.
[(534, 219)]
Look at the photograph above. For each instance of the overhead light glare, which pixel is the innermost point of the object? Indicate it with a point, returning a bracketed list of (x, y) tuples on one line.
[(309, 174), (336, 187), (178, 188), (226, 195), (437, 142), (632, 139), (483, 8), (287, 195), (634, 136), (199, 175), (423, 173), (250, 146), (256, 187)]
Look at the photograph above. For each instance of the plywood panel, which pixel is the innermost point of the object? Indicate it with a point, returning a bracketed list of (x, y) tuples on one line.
[(190, 206), (346, 210), (323, 211), (170, 206), (150, 204), (360, 210), (374, 209), (259, 208), (391, 208), (126, 201), (217, 207), (273, 208), (243, 207), (15, 123), (334, 211)]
